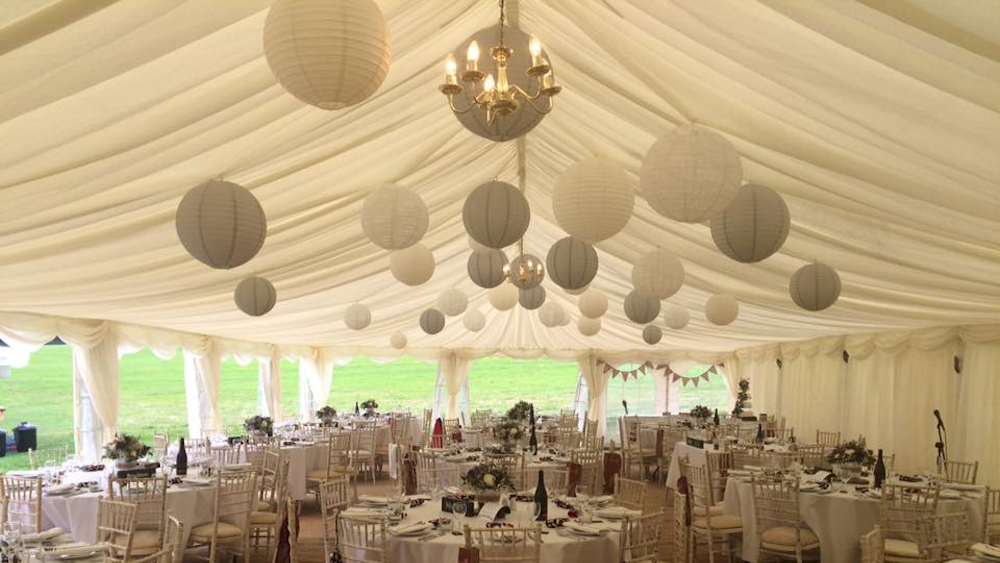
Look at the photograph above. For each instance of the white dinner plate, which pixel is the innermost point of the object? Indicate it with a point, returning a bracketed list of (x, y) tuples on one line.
[(412, 529), (581, 529)]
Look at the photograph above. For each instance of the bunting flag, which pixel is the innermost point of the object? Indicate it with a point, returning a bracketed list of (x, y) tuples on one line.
[(648, 367), (633, 373)]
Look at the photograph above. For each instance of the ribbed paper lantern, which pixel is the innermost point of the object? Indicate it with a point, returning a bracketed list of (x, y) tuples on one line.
[(571, 263), (255, 296), (815, 287), (327, 53), (593, 304), (652, 334), (658, 274), (566, 319), (753, 226), (357, 316), (551, 314), (452, 302), (413, 265), (432, 321), (531, 261), (525, 118), (532, 298), (394, 217), (675, 316), (473, 320), (576, 291), (641, 308), (496, 214), (690, 174), (221, 224), (475, 246), (722, 309), (398, 340), (593, 199), (588, 326), (504, 296), (486, 267)]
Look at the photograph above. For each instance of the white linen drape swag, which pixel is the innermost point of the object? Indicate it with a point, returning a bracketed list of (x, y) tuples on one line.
[(201, 384), (269, 387), (315, 380), (597, 390), (452, 387)]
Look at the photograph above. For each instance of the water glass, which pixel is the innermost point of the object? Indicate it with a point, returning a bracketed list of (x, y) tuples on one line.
[(458, 508)]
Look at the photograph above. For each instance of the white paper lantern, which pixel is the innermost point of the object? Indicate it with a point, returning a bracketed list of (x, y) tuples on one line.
[(566, 319), (690, 174), (413, 265), (486, 267), (474, 321), (641, 308), (255, 296), (531, 262), (551, 314), (576, 291), (398, 340), (815, 287), (221, 224), (532, 298), (588, 326), (675, 316), (593, 199), (496, 214), (522, 120), (357, 316), (593, 304), (652, 334), (504, 296), (722, 309), (571, 263), (658, 274), (330, 54), (432, 321), (394, 217), (753, 226), (452, 302)]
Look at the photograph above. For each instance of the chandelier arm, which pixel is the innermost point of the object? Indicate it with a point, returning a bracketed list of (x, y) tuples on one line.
[(454, 108), (552, 104), (524, 94)]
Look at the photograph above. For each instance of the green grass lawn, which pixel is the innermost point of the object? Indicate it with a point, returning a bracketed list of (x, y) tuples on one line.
[(152, 392)]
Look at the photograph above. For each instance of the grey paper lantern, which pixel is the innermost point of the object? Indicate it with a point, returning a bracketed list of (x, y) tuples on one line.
[(551, 314), (413, 265), (398, 340), (486, 267), (675, 316), (588, 326), (641, 308), (532, 298), (525, 118), (496, 214), (815, 287), (473, 320), (475, 246), (753, 226), (221, 224), (452, 302), (658, 274), (571, 263), (394, 217), (432, 321), (690, 174), (652, 334), (330, 54), (722, 309), (255, 296), (531, 261), (593, 304), (504, 296), (357, 317), (576, 291), (593, 199)]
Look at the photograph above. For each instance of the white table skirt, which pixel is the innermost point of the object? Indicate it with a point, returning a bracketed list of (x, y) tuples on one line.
[(696, 458), (838, 519)]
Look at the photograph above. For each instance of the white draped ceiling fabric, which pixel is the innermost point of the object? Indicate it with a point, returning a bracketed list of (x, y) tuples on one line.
[(878, 122)]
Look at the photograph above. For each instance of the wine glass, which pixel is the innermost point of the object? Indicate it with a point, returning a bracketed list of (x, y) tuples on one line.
[(10, 535), (458, 508)]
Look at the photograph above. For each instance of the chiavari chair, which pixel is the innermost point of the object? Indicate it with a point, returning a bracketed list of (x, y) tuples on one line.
[(116, 528), (22, 502), (590, 467), (361, 540), (505, 545), (161, 444), (872, 550), (900, 509), (334, 497), (630, 493), (828, 439), (708, 529), (235, 494), (149, 494), (991, 516), (363, 450), (963, 472), (291, 509), (265, 524), (778, 520), (40, 458), (640, 538)]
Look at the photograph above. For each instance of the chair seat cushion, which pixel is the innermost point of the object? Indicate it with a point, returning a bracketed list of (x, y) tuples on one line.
[(321, 475), (715, 510), (144, 542), (901, 548), (719, 523), (782, 538), (226, 530), (263, 518), (262, 506), (361, 453)]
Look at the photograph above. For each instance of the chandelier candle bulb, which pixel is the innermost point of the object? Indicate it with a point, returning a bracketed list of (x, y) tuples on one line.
[(535, 46), (450, 69), (472, 57)]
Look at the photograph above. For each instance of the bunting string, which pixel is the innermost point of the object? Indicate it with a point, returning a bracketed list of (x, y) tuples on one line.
[(648, 367)]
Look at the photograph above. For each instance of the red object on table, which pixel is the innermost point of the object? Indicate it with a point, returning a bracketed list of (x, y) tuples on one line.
[(437, 440)]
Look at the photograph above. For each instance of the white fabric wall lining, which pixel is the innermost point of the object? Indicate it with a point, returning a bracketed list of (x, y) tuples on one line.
[(202, 373), (269, 388)]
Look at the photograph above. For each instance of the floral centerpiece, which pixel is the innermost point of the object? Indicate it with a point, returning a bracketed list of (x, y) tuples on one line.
[(508, 432), (488, 480), (370, 405), (701, 413), (326, 414), (520, 411), (125, 449), (847, 458), (742, 396), (259, 425)]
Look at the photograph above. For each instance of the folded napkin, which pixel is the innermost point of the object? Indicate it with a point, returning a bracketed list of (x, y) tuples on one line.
[(617, 512), (198, 480), (75, 549), (412, 528), (582, 528), (602, 499), (417, 497), (236, 466), (361, 511), (60, 489), (43, 536), (371, 499), (23, 473)]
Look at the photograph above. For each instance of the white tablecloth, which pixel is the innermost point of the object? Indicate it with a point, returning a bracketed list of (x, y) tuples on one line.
[(696, 458), (838, 519)]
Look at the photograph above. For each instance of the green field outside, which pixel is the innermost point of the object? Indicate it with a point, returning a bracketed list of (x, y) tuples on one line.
[(152, 392)]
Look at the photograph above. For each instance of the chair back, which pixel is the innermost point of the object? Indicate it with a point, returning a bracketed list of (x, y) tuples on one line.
[(828, 439), (338, 456), (991, 516), (556, 480), (744, 456), (291, 509), (254, 455), (776, 503), (873, 546), (939, 534), (227, 455), (590, 429), (589, 461), (361, 540), (161, 443), (437, 477), (273, 488), (630, 493), (588, 442), (961, 471), (149, 494), (903, 505), (236, 492), (812, 455), (509, 461), (718, 463), (40, 458), (116, 527), (22, 502), (334, 496), (506, 545), (640, 538)]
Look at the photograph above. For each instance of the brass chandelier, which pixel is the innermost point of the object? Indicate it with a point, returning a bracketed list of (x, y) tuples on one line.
[(526, 272), (496, 96)]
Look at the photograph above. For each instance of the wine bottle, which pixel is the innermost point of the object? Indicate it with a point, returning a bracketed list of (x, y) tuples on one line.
[(879, 471), (716, 418), (182, 459), (760, 433), (357, 411), (533, 440), (542, 498)]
